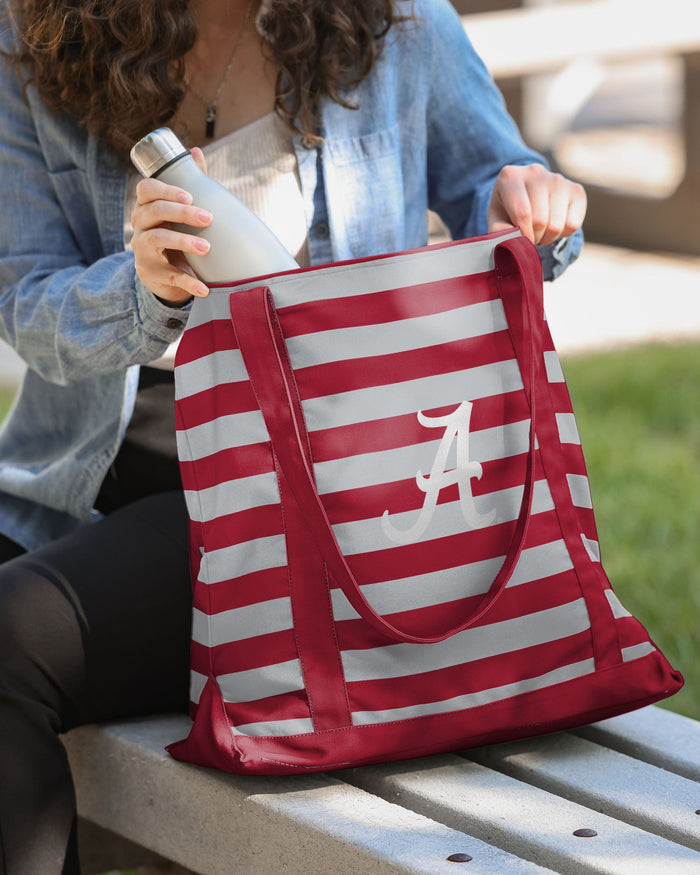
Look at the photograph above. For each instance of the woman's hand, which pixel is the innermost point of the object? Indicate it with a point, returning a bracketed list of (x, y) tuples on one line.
[(158, 249), (544, 205)]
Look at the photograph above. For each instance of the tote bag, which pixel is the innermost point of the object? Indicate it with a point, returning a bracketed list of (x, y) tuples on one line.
[(393, 545)]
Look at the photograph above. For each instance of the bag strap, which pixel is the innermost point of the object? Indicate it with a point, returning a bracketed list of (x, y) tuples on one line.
[(264, 352)]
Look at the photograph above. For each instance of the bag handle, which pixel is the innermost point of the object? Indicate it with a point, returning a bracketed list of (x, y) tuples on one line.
[(261, 343)]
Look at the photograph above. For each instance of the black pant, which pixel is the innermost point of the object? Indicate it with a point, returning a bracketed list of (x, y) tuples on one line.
[(93, 627)]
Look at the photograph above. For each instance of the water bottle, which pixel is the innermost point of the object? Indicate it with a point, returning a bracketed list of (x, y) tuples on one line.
[(242, 245)]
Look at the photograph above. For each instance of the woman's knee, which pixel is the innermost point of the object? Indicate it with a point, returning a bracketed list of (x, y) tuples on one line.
[(41, 636)]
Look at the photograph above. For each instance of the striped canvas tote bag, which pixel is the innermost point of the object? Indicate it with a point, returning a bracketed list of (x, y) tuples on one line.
[(392, 539)]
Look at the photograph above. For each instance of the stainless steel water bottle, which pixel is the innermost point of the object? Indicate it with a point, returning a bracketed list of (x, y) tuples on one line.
[(242, 245)]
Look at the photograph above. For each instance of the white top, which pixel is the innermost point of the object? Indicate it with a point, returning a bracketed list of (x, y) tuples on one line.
[(258, 164)]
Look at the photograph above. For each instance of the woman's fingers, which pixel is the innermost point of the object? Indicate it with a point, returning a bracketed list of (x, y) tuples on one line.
[(159, 248), (544, 205), (155, 213), (576, 213), (159, 240), (168, 275), (510, 204), (157, 202), (199, 158), (563, 208), (152, 189), (550, 201), (170, 278), (161, 266)]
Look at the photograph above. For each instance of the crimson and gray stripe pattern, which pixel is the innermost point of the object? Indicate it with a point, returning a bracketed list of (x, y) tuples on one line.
[(383, 353)]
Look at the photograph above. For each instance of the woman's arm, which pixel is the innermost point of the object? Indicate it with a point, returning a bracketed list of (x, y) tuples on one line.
[(482, 176), (65, 307)]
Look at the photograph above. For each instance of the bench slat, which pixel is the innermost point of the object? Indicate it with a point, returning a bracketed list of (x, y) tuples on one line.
[(526, 820), (542, 39), (224, 824), (397, 838), (603, 779), (652, 734)]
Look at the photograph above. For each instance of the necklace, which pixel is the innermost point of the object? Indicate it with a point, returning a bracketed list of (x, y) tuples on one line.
[(210, 105)]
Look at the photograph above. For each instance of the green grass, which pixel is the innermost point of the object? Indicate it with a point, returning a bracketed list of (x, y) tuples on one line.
[(638, 412), (6, 396)]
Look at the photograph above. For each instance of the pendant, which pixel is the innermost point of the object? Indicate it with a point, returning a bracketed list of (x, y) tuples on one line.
[(210, 119)]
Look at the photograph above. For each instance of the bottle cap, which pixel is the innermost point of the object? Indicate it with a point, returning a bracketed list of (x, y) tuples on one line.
[(155, 150)]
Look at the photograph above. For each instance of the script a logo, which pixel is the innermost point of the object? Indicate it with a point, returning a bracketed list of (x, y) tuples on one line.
[(456, 425)]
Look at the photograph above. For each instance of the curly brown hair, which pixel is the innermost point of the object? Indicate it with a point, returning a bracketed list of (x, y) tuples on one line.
[(119, 65)]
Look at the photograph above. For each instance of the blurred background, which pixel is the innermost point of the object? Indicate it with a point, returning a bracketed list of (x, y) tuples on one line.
[(609, 91)]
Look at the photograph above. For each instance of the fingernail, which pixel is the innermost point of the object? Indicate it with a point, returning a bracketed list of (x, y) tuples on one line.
[(204, 216), (184, 197), (202, 245)]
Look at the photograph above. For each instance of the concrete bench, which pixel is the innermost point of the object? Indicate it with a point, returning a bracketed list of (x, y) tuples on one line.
[(515, 809), (518, 43)]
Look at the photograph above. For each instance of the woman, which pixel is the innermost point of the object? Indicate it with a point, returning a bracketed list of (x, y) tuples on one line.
[(339, 124)]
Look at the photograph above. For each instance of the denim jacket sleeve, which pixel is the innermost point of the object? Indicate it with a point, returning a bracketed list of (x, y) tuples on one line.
[(68, 304), (471, 137)]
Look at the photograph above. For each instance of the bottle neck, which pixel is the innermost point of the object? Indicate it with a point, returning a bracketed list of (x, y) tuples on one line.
[(161, 170)]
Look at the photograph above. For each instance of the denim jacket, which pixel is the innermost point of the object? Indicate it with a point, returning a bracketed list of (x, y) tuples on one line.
[(430, 131)]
